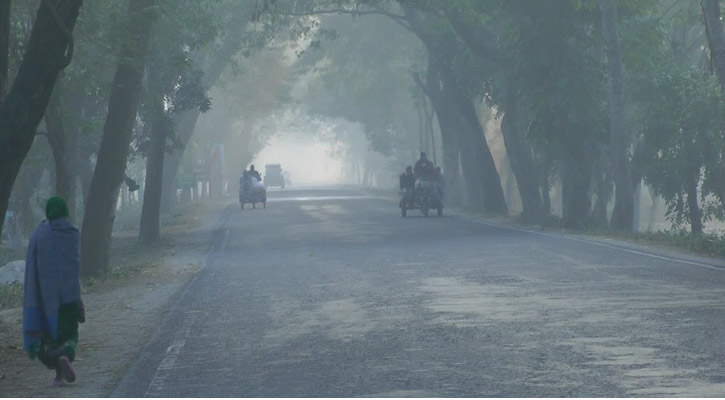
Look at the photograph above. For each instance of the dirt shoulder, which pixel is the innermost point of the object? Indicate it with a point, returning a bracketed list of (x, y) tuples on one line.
[(122, 310)]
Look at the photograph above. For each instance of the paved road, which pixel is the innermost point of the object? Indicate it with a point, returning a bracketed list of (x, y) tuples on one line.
[(332, 293)]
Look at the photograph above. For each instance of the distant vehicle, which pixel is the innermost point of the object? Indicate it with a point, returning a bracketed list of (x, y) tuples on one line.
[(273, 175), (252, 192)]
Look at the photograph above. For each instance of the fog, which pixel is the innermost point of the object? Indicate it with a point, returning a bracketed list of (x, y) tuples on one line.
[(309, 164), (136, 122)]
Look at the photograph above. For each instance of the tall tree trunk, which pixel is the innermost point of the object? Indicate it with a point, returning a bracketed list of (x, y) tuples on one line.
[(576, 174), (623, 214), (422, 142), (451, 168), (692, 202), (48, 51), (149, 229), (490, 181), (63, 155), (85, 175), (652, 210), (545, 186), (471, 176), (457, 116), (366, 174), (22, 199), (449, 134), (428, 115), (637, 207), (185, 124), (4, 46), (715, 38), (604, 187), (519, 155), (113, 152)]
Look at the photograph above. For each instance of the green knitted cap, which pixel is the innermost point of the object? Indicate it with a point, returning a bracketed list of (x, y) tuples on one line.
[(56, 208)]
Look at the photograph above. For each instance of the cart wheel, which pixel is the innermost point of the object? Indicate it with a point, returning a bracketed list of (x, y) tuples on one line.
[(440, 211), (242, 205)]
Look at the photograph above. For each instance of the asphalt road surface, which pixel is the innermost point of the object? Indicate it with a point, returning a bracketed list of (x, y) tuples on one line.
[(329, 292)]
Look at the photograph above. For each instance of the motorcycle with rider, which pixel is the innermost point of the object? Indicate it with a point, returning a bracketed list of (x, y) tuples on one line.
[(426, 191)]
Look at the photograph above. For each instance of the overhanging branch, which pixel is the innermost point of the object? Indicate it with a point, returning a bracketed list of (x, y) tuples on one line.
[(400, 19)]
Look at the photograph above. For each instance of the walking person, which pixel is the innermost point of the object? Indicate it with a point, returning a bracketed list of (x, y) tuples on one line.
[(52, 306)]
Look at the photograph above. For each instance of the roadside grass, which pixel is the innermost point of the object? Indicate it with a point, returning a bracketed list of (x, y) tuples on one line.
[(709, 244), (706, 244)]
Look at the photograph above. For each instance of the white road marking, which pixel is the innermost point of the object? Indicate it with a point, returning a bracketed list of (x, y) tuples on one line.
[(600, 244), (168, 363)]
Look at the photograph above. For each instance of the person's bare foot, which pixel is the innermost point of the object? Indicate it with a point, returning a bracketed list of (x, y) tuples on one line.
[(65, 366), (58, 381)]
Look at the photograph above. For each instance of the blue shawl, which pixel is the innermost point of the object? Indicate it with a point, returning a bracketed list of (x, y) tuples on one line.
[(52, 277)]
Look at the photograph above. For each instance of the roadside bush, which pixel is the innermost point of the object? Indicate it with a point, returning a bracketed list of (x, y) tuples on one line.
[(712, 244)]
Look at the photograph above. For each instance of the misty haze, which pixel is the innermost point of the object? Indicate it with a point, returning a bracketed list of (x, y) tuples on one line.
[(362, 198)]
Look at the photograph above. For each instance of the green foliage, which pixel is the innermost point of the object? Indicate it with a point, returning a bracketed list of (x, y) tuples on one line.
[(711, 244), (174, 80), (679, 111)]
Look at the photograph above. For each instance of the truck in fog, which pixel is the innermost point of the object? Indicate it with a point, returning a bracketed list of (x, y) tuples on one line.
[(273, 175)]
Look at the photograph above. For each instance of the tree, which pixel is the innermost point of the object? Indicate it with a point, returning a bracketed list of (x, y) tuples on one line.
[(467, 20), (623, 214), (715, 38), (459, 90), (4, 46), (684, 125), (49, 50), (241, 33), (174, 87), (114, 148), (76, 112), (679, 109)]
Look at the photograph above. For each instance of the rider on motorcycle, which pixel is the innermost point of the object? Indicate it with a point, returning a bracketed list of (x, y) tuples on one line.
[(254, 173), (424, 169)]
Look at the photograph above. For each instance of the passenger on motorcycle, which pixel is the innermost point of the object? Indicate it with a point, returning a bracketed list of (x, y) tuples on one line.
[(246, 181), (407, 184)]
